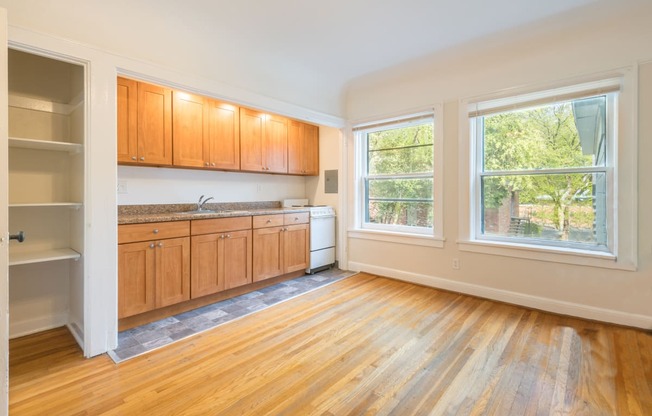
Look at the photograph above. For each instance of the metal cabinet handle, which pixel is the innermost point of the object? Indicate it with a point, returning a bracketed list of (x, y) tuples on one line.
[(151, 245), (155, 231), (20, 236), (269, 221), (206, 163), (212, 163), (134, 158), (160, 244), (142, 158), (228, 236)]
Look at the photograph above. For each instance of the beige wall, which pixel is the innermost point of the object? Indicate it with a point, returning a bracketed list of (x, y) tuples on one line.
[(330, 154), (615, 42)]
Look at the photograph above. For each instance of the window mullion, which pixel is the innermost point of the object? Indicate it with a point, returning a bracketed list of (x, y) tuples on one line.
[(548, 171), (400, 176)]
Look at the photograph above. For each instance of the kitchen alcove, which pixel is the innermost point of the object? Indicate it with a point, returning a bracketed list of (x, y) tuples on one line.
[(46, 194)]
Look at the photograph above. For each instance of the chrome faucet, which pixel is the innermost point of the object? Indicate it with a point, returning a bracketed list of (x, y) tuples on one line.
[(201, 202)]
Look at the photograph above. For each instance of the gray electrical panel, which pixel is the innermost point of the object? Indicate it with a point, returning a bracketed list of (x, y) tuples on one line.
[(330, 181)]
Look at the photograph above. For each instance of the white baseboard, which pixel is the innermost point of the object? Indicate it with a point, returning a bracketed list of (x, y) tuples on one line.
[(32, 326), (535, 302), (77, 333)]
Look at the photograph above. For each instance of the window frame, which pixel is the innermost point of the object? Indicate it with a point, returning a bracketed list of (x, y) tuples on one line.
[(623, 253), (477, 129), (397, 233)]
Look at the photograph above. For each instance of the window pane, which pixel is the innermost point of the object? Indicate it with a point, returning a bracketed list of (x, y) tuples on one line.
[(569, 134), (400, 202), (401, 150), (560, 207)]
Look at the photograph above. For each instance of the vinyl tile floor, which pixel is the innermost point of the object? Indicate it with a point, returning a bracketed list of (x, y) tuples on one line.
[(143, 339)]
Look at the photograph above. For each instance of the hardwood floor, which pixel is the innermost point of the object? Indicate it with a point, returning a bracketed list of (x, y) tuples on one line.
[(364, 345)]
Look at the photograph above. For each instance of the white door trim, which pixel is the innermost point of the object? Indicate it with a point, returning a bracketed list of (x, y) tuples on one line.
[(4, 222)]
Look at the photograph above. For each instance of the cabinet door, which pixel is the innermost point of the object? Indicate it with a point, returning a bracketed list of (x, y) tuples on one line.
[(303, 148), (206, 276), (190, 146), (268, 253), (172, 271), (127, 120), (154, 125), (136, 278), (296, 248), (311, 150), (222, 131), (275, 144), (252, 129), (295, 147), (237, 258)]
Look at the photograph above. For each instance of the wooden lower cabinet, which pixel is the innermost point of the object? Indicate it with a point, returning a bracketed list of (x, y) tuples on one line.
[(136, 278), (220, 261), (281, 249), (268, 249), (166, 263), (296, 248), (152, 274), (172, 271)]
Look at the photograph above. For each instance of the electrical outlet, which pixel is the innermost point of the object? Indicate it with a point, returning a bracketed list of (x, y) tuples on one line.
[(456, 263), (122, 187)]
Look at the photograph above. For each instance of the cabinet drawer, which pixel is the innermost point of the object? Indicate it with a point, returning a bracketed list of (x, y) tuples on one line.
[(296, 218), (219, 225), (263, 221), (152, 231)]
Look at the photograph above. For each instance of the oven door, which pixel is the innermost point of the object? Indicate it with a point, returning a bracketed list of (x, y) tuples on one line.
[(322, 232)]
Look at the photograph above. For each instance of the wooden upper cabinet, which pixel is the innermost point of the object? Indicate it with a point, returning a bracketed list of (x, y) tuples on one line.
[(191, 147), (303, 148), (311, 153), (206, 132), (263, 142), (252, 129), (222, 131), (275, 144), (161, 127), (154, 124), (127, 120), (144, 123)]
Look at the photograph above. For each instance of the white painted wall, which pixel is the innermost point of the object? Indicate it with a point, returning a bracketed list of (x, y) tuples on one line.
[(331, 143), (618, 40), (330, 155), (172, 186)]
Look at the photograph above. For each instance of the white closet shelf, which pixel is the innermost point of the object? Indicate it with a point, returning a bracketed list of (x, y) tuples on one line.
[(47, 204), (47, 106), (16, 259), (44, 145)]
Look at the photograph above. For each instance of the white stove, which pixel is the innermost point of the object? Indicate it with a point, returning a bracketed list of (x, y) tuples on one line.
[(322, 233)]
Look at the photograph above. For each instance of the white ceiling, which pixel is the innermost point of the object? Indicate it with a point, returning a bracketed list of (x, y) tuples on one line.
[(304, 52)]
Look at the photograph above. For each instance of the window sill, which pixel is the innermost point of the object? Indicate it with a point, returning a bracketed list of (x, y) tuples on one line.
[(400, 238), (548, 254)]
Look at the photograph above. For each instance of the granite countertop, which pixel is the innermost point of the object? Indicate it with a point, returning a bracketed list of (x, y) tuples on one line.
[(136, 214)]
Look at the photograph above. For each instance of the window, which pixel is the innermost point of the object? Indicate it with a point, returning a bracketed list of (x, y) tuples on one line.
[(396, 179), (543, 172)]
